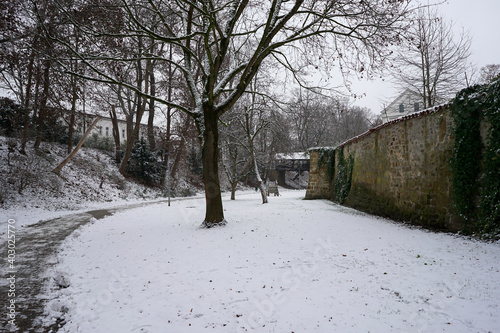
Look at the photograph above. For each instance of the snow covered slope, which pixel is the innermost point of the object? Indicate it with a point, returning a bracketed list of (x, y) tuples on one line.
[(30, 192)]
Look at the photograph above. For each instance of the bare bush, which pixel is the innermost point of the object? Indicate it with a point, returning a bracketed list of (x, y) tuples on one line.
[(30, 171)]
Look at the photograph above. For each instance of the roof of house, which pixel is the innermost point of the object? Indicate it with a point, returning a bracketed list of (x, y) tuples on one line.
[(406, 92)]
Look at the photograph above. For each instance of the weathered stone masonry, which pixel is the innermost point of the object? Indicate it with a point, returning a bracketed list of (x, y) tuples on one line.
[(401, 170)]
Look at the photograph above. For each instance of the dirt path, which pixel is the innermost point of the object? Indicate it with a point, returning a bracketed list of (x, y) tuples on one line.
[(35, 246)]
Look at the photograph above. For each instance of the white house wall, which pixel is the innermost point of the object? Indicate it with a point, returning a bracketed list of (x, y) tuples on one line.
[(410, 101), (104, 127)]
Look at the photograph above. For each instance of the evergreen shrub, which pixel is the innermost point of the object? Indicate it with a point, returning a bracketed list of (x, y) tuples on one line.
[(144, 165)]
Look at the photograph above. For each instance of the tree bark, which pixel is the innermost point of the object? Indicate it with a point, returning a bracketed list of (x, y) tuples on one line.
[(254, 159), (74, 98), (151, 129), (42, 113), (116, 133), (77, 148), (26, 116), (233, 190), (71, 127), (130, 142), (169, 145), (214, 215)]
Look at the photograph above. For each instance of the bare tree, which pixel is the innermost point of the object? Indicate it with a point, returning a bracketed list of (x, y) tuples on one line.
[(489, 73), (320, 120), (253, 132), (434, 63), (311, 119), (208, 35), (235, 159), (22, 53)]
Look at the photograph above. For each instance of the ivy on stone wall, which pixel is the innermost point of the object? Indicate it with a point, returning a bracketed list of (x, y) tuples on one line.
[(467, 115), (490, 186), (327, 159), (475, 168), (344, 176)]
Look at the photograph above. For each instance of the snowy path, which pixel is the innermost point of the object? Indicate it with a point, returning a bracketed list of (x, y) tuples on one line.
[(288, 266), (35, 247)]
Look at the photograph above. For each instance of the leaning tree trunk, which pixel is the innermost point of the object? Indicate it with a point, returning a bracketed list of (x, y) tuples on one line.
[(77, 148), (214, 215)]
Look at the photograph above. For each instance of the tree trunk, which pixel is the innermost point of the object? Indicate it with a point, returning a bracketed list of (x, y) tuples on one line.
[(174, 166), (260, 183), (77, 148), (116, 133), (179, 153), (42, 113), (214, 215), (71, 130), (233, 190), (130, 125), (26, 116), (169, 146), (254, 159), (71, 127), (232, 172), (151, 129), (130, 143)]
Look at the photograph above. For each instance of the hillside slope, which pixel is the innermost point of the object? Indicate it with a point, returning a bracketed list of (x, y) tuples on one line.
[(91, 179)]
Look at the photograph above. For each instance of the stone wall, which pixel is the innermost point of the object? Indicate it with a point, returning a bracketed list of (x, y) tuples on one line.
[(401, 170), (319, 184)]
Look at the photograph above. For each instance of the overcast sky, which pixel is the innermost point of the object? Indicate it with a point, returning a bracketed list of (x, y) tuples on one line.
[(480, 17)]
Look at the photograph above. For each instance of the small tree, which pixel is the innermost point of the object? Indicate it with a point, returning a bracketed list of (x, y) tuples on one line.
[(144, 164), (11, 116)]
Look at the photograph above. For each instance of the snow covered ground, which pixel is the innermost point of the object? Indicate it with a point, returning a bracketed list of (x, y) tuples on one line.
[(287, 266)]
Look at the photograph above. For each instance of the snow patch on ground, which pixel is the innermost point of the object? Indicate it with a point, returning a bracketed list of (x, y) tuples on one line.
[(287, 266)]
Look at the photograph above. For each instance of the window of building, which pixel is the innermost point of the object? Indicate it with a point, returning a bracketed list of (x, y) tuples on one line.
[(100, 130), (123, 133), (416, 107), (107, 131), (401, 108)]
